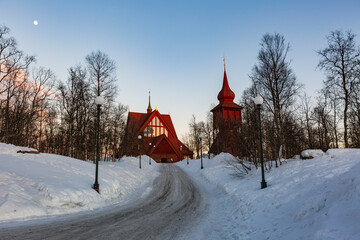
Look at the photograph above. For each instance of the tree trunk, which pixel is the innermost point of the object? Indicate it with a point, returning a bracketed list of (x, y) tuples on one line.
[(346, 121)]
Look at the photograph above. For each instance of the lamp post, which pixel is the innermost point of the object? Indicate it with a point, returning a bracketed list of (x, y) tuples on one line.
[(259, 101), (187, 159), (139, 146), (98, 101), (149, 154), (200, 138)]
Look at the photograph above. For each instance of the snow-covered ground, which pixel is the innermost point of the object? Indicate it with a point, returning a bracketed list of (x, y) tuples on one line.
[(38, 185), (305, 199), (317, 198), (311, 153)]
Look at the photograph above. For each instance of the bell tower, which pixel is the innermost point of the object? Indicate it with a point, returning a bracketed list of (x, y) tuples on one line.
[(226, 120)]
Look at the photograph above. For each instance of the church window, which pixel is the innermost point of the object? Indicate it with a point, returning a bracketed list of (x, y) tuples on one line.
[(148, 132), (155, 128)]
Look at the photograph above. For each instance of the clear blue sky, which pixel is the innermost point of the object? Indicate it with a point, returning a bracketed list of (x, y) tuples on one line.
[(175, 48)]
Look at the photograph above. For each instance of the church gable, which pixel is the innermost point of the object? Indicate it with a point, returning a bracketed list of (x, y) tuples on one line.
[(155, 127), (163, 148)]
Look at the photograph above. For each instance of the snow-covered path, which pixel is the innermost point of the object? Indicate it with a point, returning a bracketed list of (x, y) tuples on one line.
[(220, 214), (173, 205)]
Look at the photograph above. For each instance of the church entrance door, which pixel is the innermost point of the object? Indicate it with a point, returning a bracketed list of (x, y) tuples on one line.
[(163, 160)]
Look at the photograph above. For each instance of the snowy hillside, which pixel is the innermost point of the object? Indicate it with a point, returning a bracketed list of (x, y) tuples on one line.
[(317, 198), (35, 185), (305, 199)]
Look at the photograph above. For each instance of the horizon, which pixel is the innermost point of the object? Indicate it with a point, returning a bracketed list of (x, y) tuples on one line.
[(175, 49)]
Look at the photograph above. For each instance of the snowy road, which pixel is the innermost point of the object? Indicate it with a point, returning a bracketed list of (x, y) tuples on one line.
[(173, 205)]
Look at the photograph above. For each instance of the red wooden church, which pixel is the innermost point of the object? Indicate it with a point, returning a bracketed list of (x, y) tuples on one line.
[(158, 137), (226, 120)]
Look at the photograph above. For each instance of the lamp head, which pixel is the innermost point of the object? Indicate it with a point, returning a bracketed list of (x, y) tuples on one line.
[(99, 100), (258, 100)]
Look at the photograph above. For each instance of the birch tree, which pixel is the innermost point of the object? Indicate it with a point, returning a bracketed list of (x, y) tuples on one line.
[(340, 61)]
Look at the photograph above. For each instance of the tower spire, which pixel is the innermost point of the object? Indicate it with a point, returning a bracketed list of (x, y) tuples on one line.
[(149, 109), (226, 94)]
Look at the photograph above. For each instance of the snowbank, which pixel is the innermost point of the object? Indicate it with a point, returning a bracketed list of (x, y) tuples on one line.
[(304, 199), (35, 185), (311, 153)]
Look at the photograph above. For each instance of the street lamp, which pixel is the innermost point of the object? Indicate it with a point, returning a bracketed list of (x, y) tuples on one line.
[(139, 146), (187, 159), (200, 138), (258, 101), (149, 153), (98, 101)]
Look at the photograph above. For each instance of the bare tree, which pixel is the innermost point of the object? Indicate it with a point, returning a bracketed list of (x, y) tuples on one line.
[(196, 128), (102, 74), (14, 66), (333, 104), (50, 131), (75, 108), (117, 128), (275, 81), (13, 62), (306, 111), (43, 81), (113, 127), (248, 136), (322, 119), (354, 117), (102, 78), (208, 132), (340, 60)]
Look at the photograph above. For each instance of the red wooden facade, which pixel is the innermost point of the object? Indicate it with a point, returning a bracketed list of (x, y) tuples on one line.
[(226, 121), (158, 137)]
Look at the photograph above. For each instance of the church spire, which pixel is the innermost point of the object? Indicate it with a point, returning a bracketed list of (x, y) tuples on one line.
[(149, 109), (225, 94)]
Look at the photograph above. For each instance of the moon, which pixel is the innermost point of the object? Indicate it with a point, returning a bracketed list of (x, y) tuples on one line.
[(36, 23)]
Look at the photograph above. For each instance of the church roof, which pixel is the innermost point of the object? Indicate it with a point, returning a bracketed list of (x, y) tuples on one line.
[(225, 94), (226, 105), (140, 120), (173, 142)]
